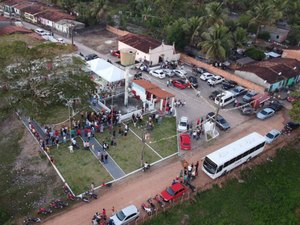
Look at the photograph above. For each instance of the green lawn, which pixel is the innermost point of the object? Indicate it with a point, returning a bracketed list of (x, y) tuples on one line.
[(127, 152), (163, 136), (79, 169), (269, 195)]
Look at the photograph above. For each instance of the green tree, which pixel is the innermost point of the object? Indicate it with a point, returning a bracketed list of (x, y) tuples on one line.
[(263, 14), (193, 27), (176, 33), (239, 37), (215, 13), (294, 35), (295, 111), (98, 9), (216, 42)]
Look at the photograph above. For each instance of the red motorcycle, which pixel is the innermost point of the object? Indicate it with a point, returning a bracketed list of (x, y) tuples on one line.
[(44, 211)]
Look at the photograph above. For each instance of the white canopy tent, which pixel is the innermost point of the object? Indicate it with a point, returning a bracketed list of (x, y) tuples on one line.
[(106, 70)]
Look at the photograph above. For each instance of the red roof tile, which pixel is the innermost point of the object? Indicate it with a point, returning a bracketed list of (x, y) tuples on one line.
[(140, 42), (274, 70), (13, 2), (55, 15), (147, 85), (160, 93), (2, 18)]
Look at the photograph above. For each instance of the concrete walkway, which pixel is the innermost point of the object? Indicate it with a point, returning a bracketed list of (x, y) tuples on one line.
[(111, 166)]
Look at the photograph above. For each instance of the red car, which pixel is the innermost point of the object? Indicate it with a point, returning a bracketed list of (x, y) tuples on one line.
[(173, 192), (116, 53), (181, 84), (185, 141)]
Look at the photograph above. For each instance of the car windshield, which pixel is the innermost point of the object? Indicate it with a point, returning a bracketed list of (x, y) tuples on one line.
[(170, 191), (209, 165), (120, 215), (222, 121), (269, 135), (264, 112), (183, 124)]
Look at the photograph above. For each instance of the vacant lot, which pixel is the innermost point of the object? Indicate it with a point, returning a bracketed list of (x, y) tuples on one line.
[(268, 194), (80, 168), (127, 152)]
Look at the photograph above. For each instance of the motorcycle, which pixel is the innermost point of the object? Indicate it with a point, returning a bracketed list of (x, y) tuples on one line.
[(152, 205), (158, 199), (44, 211), (146, 167), (30, 220), (83, 198), (61, 203), (91, 194), (147, 208), (71, 197)]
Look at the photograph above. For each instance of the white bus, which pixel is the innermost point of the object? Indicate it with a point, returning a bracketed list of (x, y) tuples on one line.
[(227, 158)]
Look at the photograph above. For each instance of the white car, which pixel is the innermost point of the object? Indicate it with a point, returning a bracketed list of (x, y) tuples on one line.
[(183, 124), (46, 35), (158, 73), (126, 215), (272, 135), (39, 31), (215, 80), (180, 73), (168, 72), (60, 40), (206, 76)]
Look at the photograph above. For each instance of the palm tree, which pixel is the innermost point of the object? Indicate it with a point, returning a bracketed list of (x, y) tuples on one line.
[(217, 42), (193, 27), (98, 9), (216, 13), (263, 14), (239, 37)]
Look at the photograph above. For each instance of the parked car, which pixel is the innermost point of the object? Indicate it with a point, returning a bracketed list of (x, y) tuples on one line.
[(91, 57), (228, 84), (272, 135), (214, 94), (215, 80), (173, 192), (138, 75), (168, 72), (61, 40), (206, 76), (220, 121), (265, 113), (181, 84), (158, 73), (180, 73), (276, 105), (126, 215), (183, 124), (185, 141), (115, 53), (198, 70), (247, 110), (193, 81), (248, 97), (39, 31), (290, 126), (238, 90)]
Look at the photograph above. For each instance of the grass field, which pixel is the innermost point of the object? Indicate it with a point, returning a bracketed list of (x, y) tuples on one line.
[(79, 169), (270, 195), (163, 137), (127, 152)]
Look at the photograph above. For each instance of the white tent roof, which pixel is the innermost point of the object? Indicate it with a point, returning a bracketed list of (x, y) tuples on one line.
[(106, 70)]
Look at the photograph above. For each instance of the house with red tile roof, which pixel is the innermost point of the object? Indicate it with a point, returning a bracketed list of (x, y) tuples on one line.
[(148, 49), (151, 94), (273, 74), (7, 30)]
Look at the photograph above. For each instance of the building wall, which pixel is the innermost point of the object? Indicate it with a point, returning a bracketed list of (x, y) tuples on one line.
[(252, 77), (167, 52), (139, 56), (116, 31), (140, 91), (46, 22), (30, 17), (227, 75)]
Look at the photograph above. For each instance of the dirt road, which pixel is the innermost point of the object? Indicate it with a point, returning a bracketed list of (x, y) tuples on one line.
[(138, 188)]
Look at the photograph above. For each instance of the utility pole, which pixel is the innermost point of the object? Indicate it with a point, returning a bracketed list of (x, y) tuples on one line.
[(143, 148)]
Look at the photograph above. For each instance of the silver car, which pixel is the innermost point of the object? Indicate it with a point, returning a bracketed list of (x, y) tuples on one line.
[(126, 215), (272, 135), (265, 113)]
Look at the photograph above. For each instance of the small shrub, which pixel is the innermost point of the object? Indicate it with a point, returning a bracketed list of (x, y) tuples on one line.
[(255, 53)]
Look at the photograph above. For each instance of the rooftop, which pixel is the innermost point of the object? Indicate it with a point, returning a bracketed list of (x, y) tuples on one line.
[(147, 85), (160, 93), (291, 53), (55, 15), (34, 8), (2, 18), (274, 70), (13, 2), (140, 42)]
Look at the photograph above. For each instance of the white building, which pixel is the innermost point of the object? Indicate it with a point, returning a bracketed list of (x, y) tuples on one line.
[(148, 49)]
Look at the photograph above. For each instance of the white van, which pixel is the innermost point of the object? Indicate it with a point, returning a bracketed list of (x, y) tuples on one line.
[(224, 98)]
